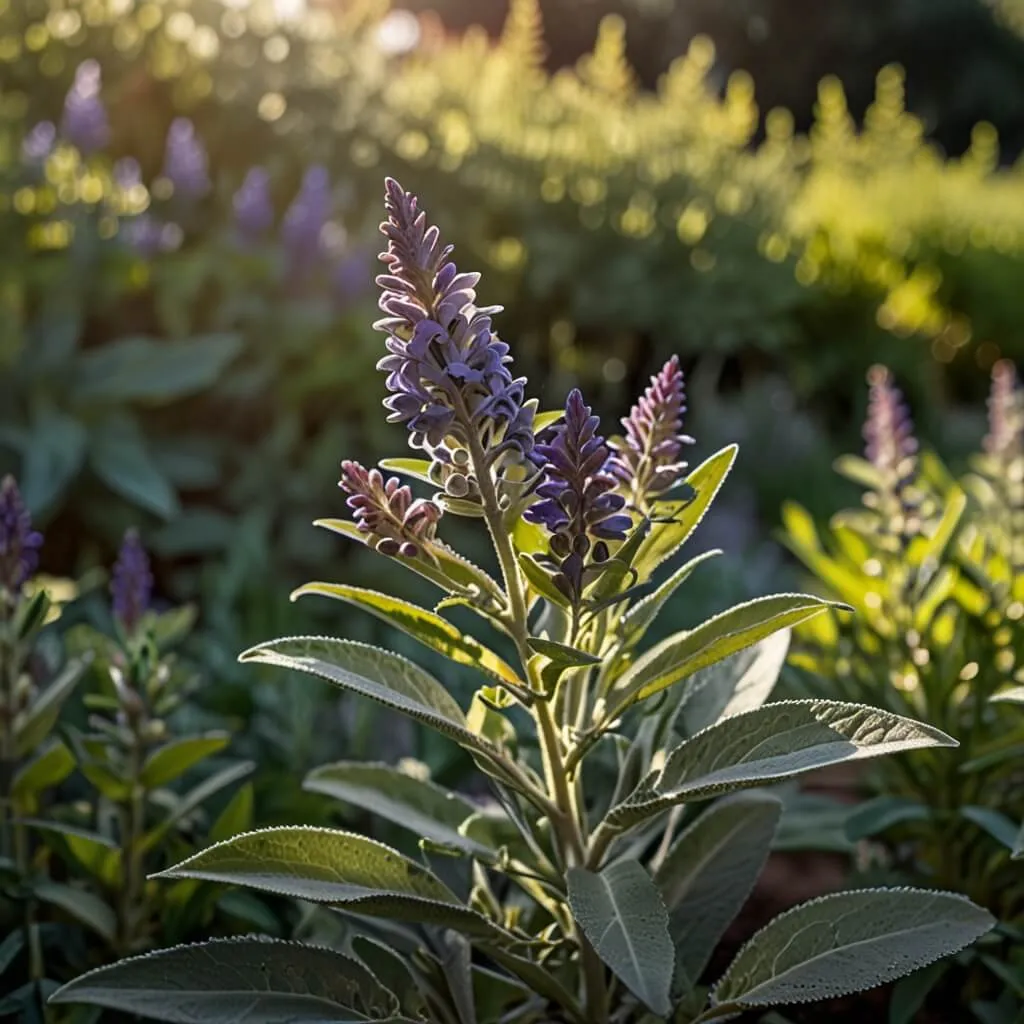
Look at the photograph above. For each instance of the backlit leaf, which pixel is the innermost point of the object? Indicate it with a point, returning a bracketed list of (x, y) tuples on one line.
[(680, 656), (48, 768), (173, 759), (427, 627), (338, 868)]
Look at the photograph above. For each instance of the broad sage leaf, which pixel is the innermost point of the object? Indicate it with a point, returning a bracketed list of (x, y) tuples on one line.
[(771, 744), (623, 916), (386, 678), (427, 627), (739, 683), (709, 873), (640, 616), (211, 982), (337, 868), (846, 943), (674, 521), (416, 804), (680, 656)]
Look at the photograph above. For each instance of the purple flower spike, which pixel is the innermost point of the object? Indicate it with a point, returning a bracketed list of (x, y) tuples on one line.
[(1005, 437), (578, 505), (186, 165), (84, 123), (447, 371), (38, 143), (254, 210), (385, 511), (646, 461), (132, 583), (19, 543), (304, 221), (889, 430)]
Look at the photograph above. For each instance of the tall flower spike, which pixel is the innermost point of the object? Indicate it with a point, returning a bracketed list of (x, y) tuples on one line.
[(254, 210), (1005, 438), (19, 543), (304, 221), (578, 506), (185, 160), (447, 371), (646, 462), (84, 123), (385, 511), (132, 583), (892, 449)]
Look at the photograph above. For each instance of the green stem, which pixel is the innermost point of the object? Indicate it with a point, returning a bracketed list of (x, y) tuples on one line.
[(567, 823), (133, 823)]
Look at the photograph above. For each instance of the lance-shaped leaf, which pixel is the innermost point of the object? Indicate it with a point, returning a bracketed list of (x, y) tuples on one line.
[(50, 767), (265, 980), (674, 521), (427, 627), (421, 806), (340, 869), (846, 943), (739, 683), (173, 759), (770, 744), (680, 656), (635, 622), (387, 678), (623, 915), (709, 873), (561, 654), (43, 713)]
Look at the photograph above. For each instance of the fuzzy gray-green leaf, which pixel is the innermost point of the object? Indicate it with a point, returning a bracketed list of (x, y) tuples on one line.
[(848, 942), (416, 804), (709, 873), (623, 915), (210, 983), (337, 868), (770, 744), (679, 657)]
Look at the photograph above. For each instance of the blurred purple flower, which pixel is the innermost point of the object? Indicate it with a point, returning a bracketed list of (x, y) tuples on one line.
[(38, 143), (646, 461), (149, 236), (254, 209), (127, 172), (888, 430), (1005, 438), (185, 160), (19, 543), (84, 123), (386, 512), (304, 221), (131, 584), (447, 371), (578, 506), (353, 275)]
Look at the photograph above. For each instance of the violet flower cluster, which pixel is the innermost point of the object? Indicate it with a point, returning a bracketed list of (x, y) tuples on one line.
[(646, 462), (38, 143), (304, 221), (185, 160), (1005, 438), (579, 505), (253, 206), (84, 123), (19, 543), (132, 583), (891, 447), (447, 371), (384, 509)]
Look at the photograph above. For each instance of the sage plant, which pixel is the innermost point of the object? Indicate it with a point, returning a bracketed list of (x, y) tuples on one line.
[(556, 898)]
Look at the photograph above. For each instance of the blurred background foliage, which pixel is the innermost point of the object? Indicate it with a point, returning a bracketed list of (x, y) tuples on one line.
[(173, 359)]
